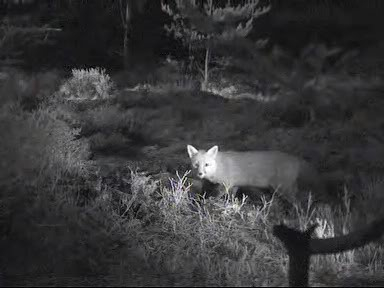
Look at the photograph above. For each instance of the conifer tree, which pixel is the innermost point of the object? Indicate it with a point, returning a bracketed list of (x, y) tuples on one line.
[(201, 25)]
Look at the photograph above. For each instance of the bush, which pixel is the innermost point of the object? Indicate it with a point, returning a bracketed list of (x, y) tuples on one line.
[(217, 243), (38, 144), (88, 84), (63, 148)]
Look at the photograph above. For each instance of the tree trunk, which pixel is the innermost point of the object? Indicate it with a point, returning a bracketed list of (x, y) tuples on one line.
[(206, 75), (126, 49), (126, 20)]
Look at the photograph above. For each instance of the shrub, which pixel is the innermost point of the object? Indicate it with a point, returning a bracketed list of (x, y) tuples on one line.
[(38, 144), (63, 149), (206, 242), (88, 84)]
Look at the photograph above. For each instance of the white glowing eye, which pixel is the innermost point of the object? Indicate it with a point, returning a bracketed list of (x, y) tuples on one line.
[(195, 165)]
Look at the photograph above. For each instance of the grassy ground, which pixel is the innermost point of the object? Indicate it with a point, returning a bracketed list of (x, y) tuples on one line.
[(95, 192)]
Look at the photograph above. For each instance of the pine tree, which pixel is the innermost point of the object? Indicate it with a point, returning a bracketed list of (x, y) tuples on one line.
[(201, 25)]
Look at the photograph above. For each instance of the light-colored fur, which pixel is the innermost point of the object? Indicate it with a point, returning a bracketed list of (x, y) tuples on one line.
[(262, 169)]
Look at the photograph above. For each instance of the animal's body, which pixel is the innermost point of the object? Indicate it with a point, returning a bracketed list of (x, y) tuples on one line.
[(262, 169)]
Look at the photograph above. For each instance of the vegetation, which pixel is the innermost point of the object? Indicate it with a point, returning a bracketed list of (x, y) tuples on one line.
[(95, 187), (202, 26), (84, 217)]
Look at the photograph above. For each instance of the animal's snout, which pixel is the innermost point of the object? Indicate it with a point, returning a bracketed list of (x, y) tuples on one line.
[(200, 174)]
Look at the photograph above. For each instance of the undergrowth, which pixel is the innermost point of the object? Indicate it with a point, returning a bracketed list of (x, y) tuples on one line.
[(62, 215)]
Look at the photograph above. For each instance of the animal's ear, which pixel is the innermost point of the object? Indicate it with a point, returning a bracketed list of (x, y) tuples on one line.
[(192, 151), (213, 151)]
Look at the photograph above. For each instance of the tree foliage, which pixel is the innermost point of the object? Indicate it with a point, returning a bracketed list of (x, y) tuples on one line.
[(201, 25)]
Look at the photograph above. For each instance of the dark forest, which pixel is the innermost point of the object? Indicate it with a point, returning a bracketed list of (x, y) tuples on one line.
[(191, 143)]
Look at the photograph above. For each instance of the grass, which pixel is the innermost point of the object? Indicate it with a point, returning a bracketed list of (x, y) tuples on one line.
[(138, 220)]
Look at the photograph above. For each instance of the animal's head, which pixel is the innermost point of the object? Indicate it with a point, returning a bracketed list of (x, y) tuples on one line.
[(204, 162)]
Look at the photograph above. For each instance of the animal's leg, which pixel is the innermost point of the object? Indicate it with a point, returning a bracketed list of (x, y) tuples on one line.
[(233, 191), (227, 191), (210, 189), (221, 191)]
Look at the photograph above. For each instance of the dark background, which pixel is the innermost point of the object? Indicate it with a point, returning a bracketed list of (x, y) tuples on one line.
[(92, 33)]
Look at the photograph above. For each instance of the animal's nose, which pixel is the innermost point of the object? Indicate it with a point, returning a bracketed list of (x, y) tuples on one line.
[(200, 174)]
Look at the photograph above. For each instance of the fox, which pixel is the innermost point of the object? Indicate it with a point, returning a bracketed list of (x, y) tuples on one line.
[(288, 174)]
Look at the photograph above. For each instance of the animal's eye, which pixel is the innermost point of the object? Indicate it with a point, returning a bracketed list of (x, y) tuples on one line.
[(206, 164), (195, 165)]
